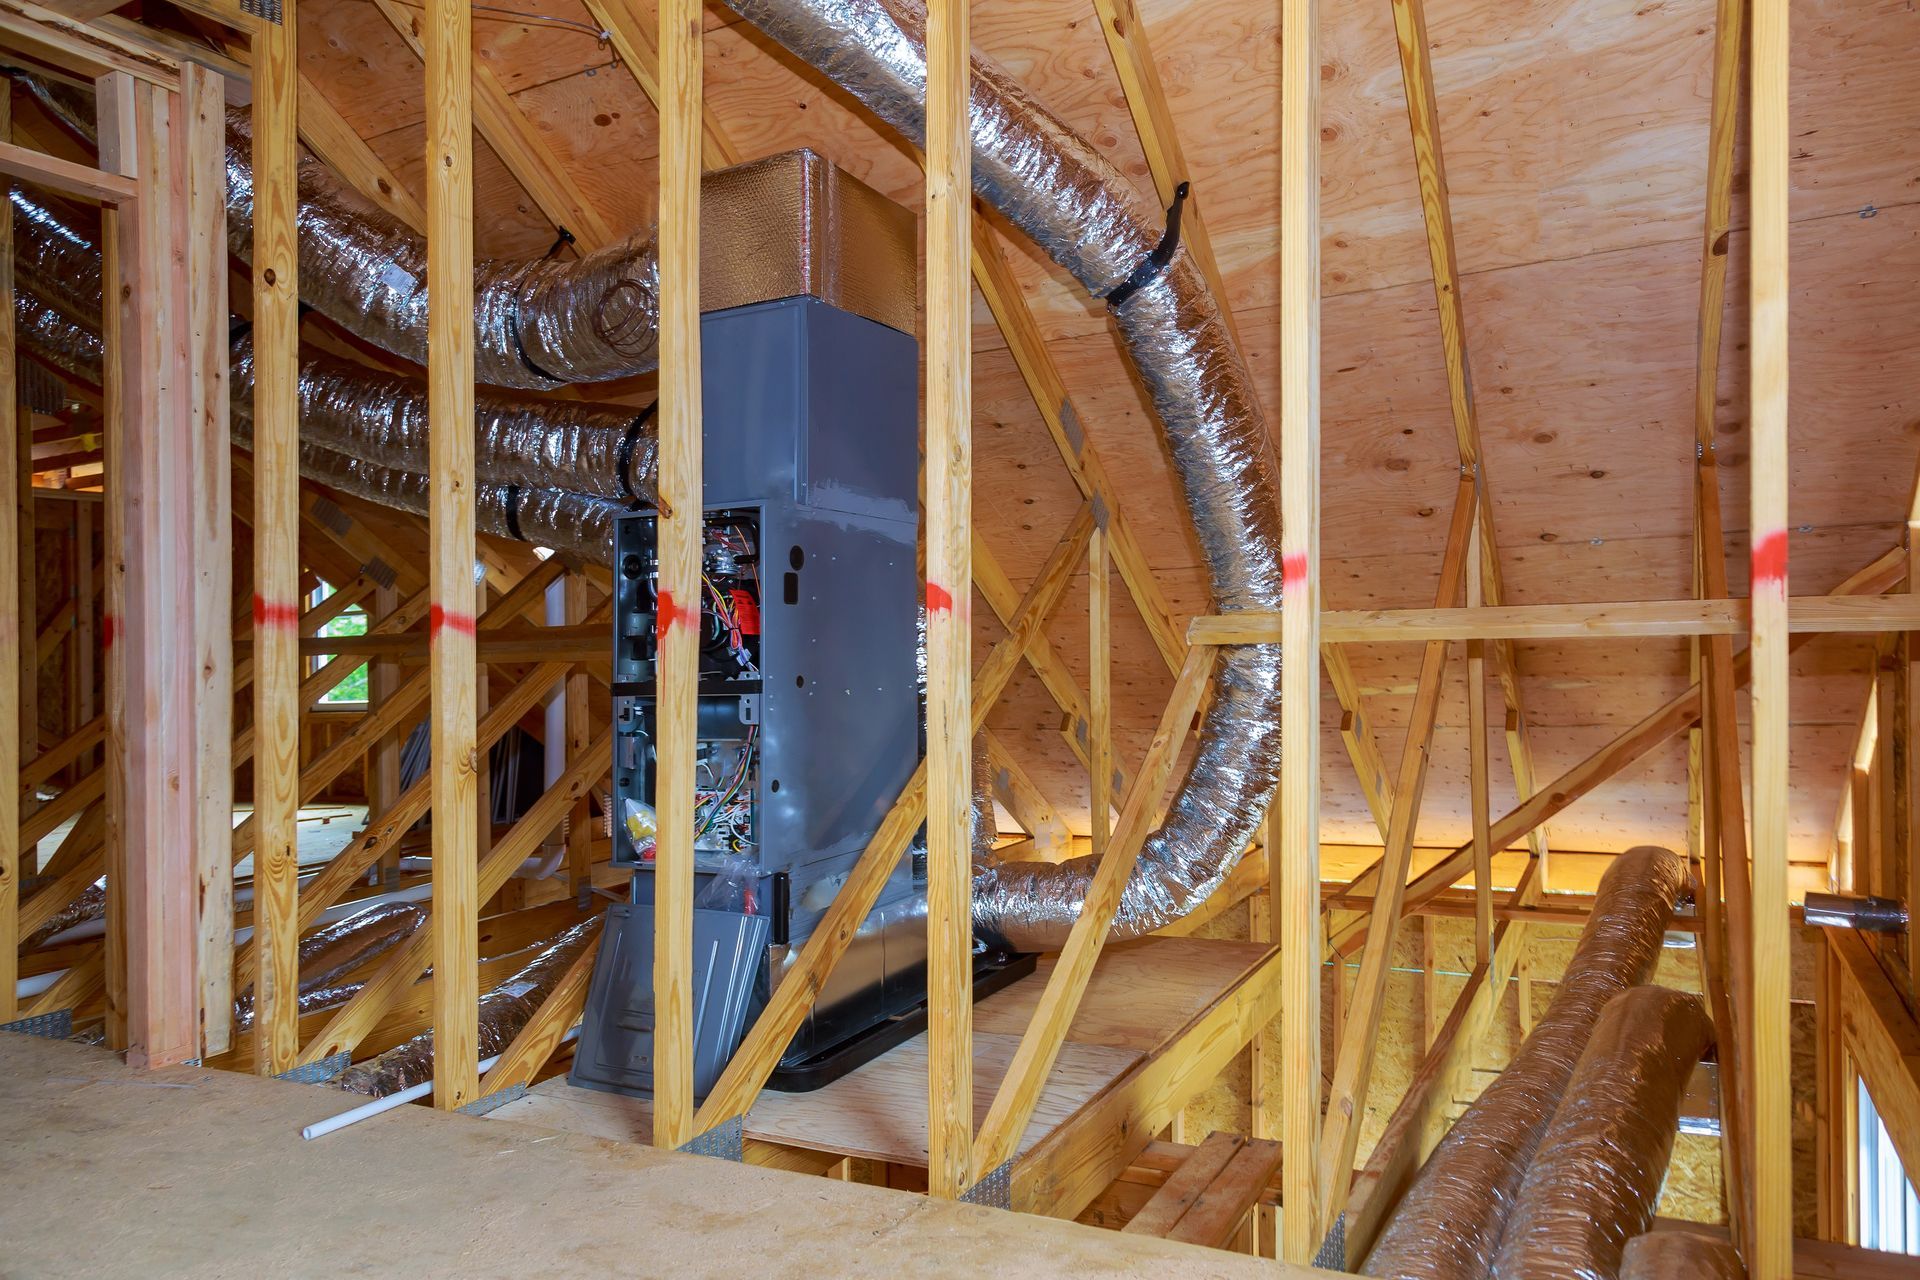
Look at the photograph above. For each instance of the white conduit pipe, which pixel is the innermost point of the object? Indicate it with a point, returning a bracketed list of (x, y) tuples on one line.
[(367, 1110)]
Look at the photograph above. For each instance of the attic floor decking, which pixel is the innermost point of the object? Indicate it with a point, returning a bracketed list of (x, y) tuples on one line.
[(1141, 993), (111, 1171)]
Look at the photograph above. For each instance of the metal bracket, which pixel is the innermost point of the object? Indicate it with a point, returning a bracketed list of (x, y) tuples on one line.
[(725, 1141), (493, 1101), (265, 10), (57, 1025), (320, 1072), (1333, 1250), (995, 1191)]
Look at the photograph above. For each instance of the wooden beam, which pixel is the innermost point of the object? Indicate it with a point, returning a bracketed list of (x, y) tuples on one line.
[(276, 484), (208, 441), (1037, 815), (1039, 1048), (1063, 1172), (512, 136), (447, 35), (1100, 683), (1771, 1257), (949, 540), (351, 1024), (1423, 118), (1353, 1071), (1672, 717), (15, 430), (1478, 800), (1294, 879), (1807, 615), (680, 535), (155, 340), (520, 1062), (1882, 1036), (81, 47), (68, 178), (631, 40)]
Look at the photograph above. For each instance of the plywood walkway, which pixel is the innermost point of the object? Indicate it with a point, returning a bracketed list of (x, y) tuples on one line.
[(1139, 994), (112, 1172)]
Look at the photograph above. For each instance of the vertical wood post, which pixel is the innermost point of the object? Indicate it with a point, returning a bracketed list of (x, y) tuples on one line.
[(119, 249), (1297, 893), (579, 737), (680, 531), (949, 160), (153, 347), (1772, 1227), (383, 787), (1100, 681), (203, 109), (448, 37), (1477, 765), (276, 545), (10, 615)]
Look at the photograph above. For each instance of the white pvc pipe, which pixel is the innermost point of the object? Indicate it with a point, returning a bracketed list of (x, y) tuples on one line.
[(321, 1128)]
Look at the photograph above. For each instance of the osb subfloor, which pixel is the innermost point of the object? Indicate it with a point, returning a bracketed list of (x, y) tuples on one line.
[(109, 1171)]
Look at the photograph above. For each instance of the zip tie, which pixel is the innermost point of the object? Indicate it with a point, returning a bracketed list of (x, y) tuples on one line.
[(623, 458), (513, 513), (520, 348), (1156, 262), (560, 242)]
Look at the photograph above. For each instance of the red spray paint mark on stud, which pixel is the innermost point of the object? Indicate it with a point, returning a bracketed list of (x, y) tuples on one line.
[(671, 614), (109, 624), (1770, 560), (939, 600), (439, 619), (274, 617), (1293, 572)]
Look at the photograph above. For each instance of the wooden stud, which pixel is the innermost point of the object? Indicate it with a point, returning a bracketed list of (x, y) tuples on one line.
[(1772, 1253), (949, 519), (209, 440), (1100, 683), (276, 481), (447, 34), (1296, 891), (12, 437), (579, 738), (1477, 769), (680, 537), (1033, 1061)]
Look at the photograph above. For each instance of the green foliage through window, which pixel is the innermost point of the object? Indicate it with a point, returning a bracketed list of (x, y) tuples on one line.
[(354, 688)]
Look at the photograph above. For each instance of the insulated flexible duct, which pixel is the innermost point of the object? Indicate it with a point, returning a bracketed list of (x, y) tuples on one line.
[(1596, 1182), (545, 466), (503, 1012), (1078, 209), (1665, 1255), (537, 323), (1449, 1224), (334, 950)]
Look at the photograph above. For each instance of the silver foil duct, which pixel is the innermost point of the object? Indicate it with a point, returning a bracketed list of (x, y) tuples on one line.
[(67, 345), (595, 450), (538, 323), (1596, 1182), (1449, 1224), (1084, 214), (90, 905), (503, 1011), (1663, 1255)]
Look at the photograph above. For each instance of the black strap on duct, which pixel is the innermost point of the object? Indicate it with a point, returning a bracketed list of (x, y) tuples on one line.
[(1156, 262), (623, 457), (513, 513), (560, 242), (520, 348)]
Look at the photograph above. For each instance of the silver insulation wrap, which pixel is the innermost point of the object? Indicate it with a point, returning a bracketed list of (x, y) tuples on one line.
[(1596, 1182), (1664, 1255), (1448, 1225), (538, 324), (503, 1011), (1078, 208), (90, 905), (595, 450)]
